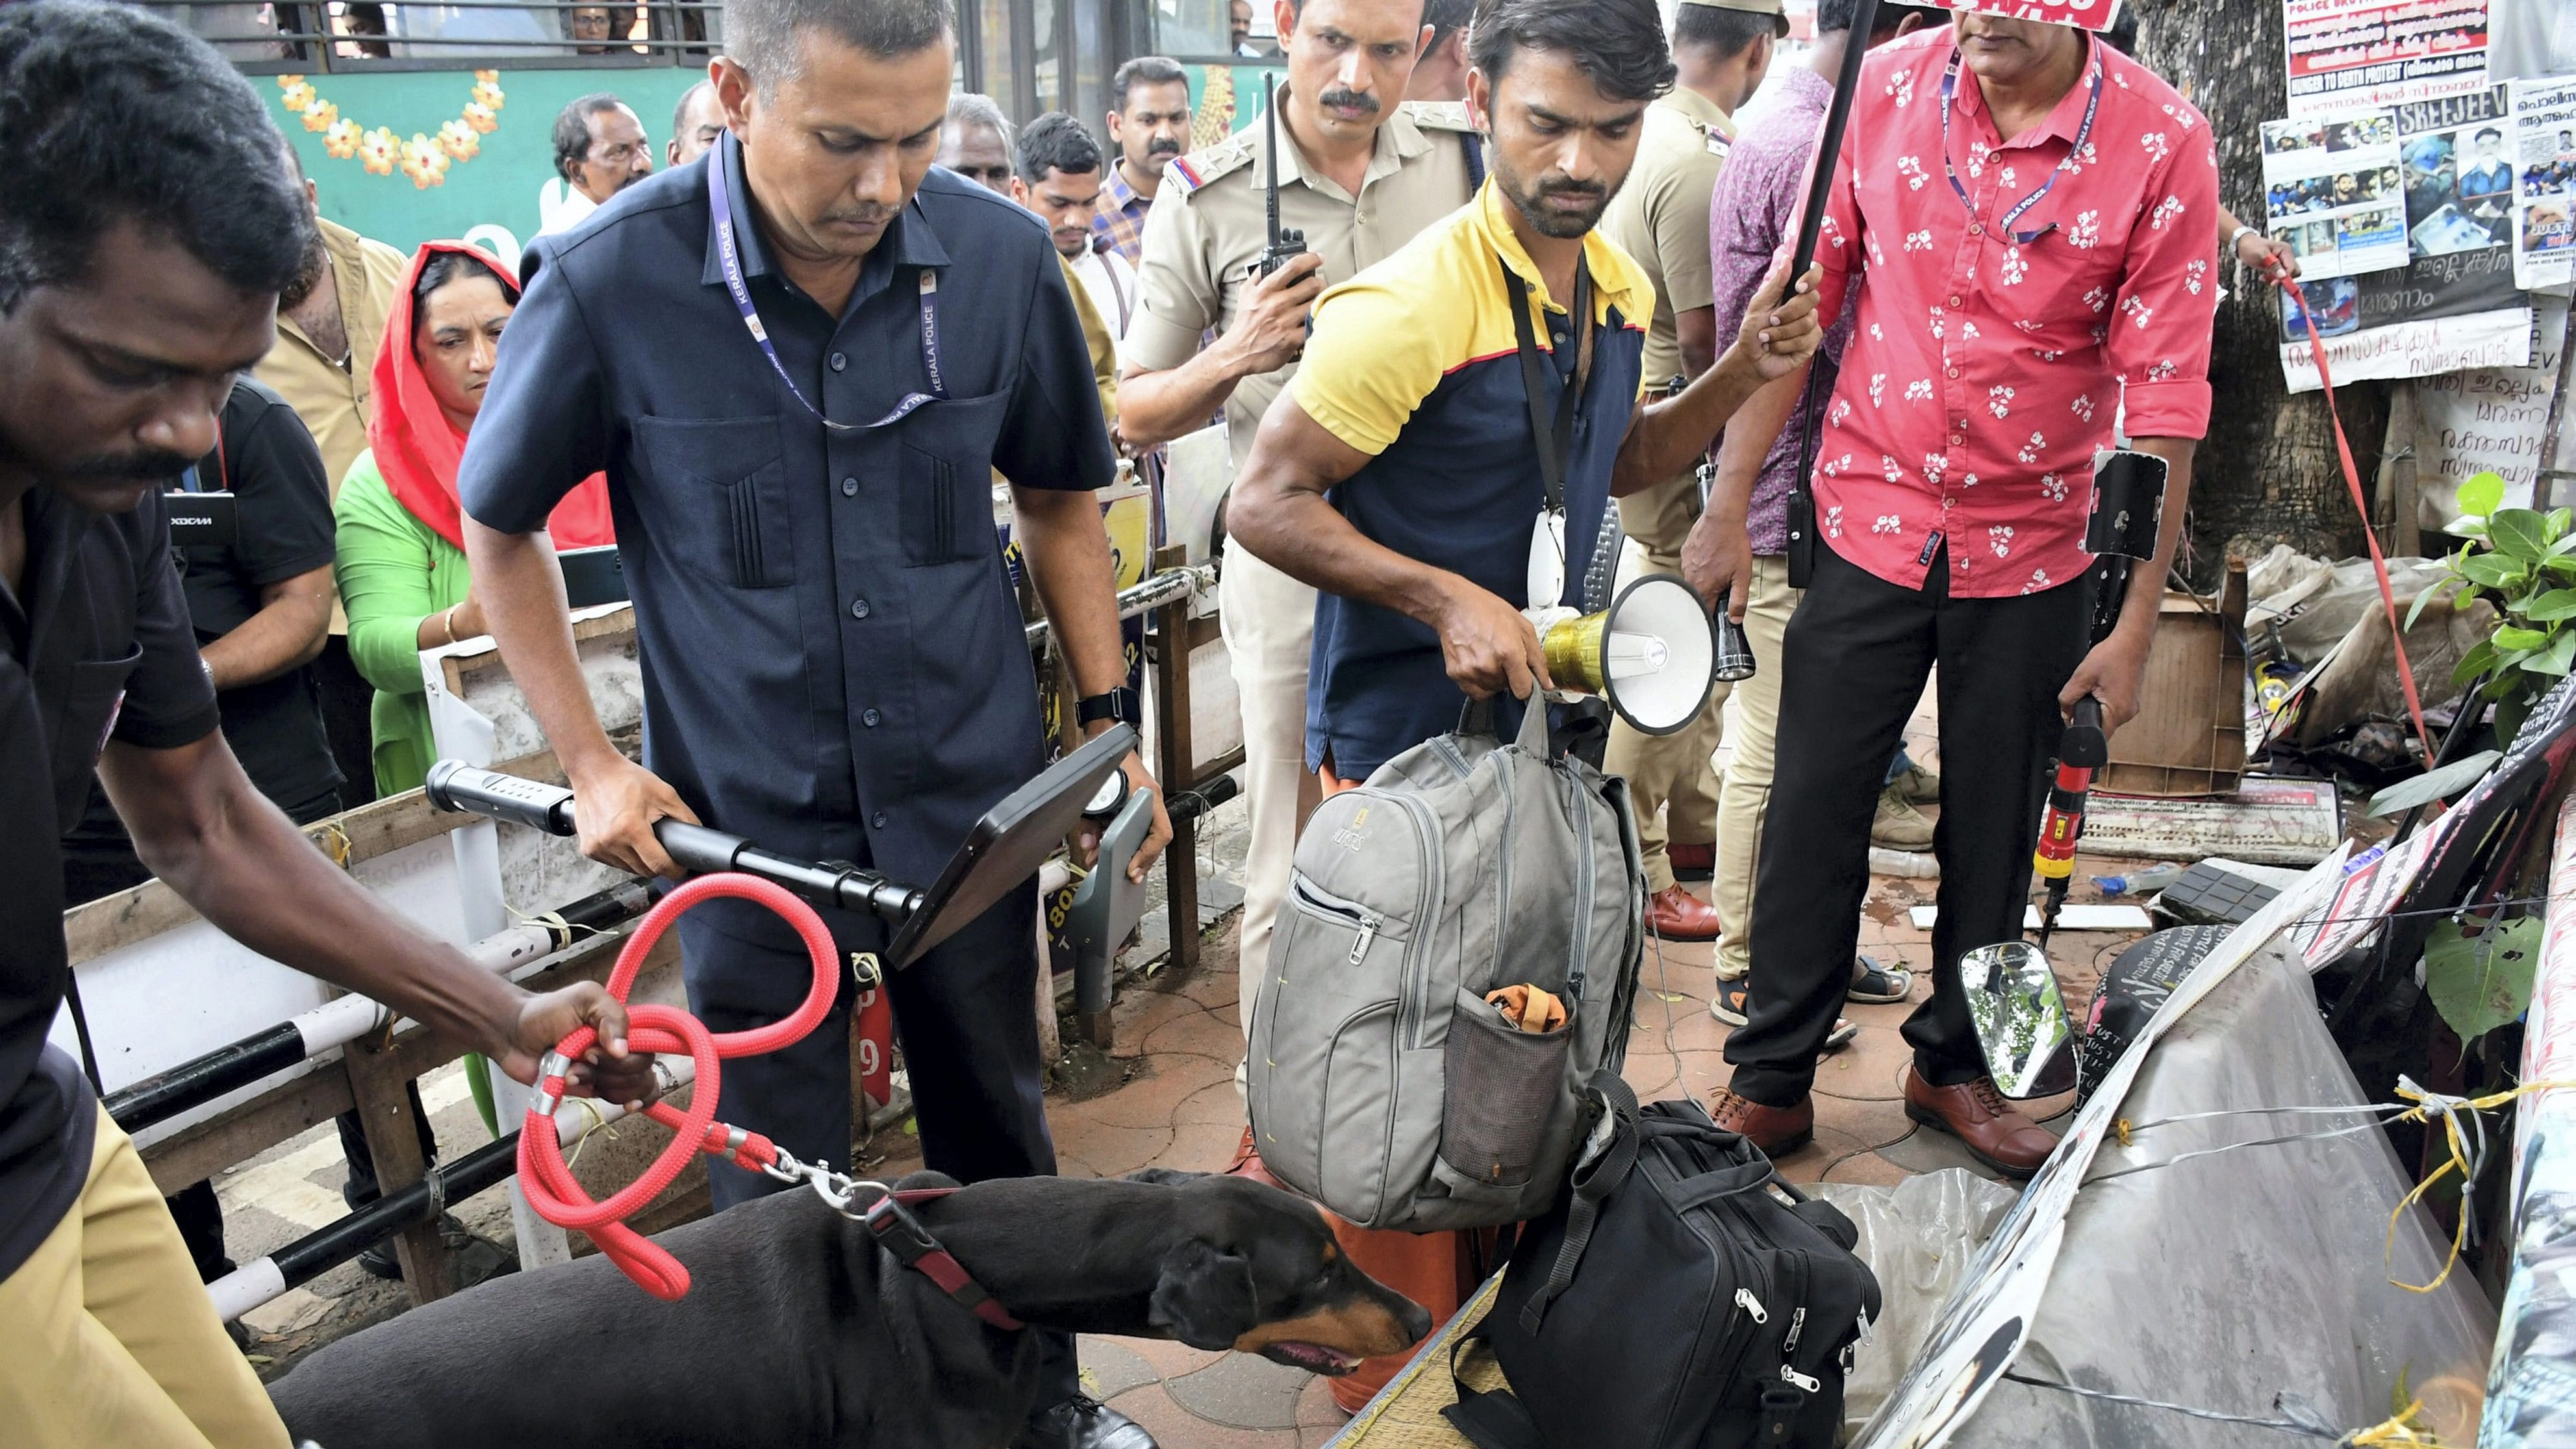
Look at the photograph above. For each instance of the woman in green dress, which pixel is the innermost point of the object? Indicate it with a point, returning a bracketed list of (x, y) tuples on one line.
[(401, 537)]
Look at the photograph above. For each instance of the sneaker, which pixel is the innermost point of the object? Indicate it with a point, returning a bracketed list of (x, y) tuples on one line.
[(1899, 825), (1729, 1008), (1917, 786)]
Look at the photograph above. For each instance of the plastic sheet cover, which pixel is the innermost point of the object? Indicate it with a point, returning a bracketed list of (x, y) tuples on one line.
[(2222, 1281), (1918, 1237)]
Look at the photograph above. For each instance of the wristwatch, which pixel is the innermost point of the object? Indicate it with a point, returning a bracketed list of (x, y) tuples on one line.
[(2236, 236), (1117, 706)]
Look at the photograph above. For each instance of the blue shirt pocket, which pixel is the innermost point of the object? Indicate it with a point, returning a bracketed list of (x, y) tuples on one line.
[(716, 499), (946, 479)]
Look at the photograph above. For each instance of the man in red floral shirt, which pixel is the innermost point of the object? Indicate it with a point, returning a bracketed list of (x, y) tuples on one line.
[(2032, 216)]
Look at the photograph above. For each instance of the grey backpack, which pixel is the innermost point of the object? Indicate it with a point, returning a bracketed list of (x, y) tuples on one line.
[(1382, 1084)]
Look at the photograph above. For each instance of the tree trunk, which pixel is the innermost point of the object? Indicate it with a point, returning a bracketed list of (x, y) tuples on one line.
[(2267, 472)]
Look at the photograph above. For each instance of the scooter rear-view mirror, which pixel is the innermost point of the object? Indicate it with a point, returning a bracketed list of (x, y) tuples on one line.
[(2021, 1021)]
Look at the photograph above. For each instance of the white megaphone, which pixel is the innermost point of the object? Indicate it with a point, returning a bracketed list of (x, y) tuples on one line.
[(1652, 654)]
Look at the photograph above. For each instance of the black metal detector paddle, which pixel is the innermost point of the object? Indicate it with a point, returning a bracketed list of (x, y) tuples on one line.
[(1820, 186), (1001, 851)]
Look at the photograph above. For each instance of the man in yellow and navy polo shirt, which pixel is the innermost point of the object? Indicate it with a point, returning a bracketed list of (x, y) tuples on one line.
[(1412, 412)]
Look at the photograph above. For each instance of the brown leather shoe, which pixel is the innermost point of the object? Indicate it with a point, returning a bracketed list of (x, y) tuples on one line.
[(1778, 1131), (1692, 862), (1988, 1126), (1247, 1163), (1677, 915)]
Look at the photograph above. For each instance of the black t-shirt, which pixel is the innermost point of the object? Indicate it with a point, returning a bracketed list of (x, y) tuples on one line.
[(112, 656), (266, 457)]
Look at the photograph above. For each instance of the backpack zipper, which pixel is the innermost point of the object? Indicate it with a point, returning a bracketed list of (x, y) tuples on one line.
[(1577, 806), (1410, 1010), (1745, 1300)]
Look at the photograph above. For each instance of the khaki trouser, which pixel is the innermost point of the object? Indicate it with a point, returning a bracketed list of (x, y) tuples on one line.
[(1767, 607), (112, 1340), (1269, 624), (1671, 778)]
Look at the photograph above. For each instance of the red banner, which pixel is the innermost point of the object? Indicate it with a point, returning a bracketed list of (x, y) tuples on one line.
[(2088, 14)]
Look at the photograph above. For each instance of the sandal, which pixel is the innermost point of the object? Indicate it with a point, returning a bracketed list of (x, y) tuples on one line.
[(1877, 985), (1728, 1007)]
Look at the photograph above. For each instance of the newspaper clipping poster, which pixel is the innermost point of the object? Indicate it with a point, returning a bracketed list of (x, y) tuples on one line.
[(2349, 53), (2332, 189), (2544, 200)]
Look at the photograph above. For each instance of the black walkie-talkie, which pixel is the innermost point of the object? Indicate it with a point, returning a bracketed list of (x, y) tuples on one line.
[(1284, 242)]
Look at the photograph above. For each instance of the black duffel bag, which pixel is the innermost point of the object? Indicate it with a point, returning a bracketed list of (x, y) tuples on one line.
[(1679, 1296)]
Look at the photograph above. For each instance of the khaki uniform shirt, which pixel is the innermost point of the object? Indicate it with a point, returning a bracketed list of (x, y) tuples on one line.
[(333, 401), (1209, 225), (1661, 216), (1096, 337)]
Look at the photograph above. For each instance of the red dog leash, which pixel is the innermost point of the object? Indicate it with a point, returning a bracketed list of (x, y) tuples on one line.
[(559, 1198), (2361, 507)]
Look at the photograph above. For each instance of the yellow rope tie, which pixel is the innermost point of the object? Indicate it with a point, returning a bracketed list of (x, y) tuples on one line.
[(2464, 1159), (332, 841), (597, 1121), (2402, 1429), (553, 921)]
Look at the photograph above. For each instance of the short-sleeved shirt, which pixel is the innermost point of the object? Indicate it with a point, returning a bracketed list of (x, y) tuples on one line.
[(1987, 365), (1211, 224), (283, 513), (1660, 216), (834, 662), (94, 646), (334, 397), (1416, 363)]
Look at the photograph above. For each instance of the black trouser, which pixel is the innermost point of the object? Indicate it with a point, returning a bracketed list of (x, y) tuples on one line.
[(348, 719), (1852, 670), (966, 1016)]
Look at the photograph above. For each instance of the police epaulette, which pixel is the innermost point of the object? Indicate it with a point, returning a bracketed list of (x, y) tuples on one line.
[(1201, 167), (1439, 115)]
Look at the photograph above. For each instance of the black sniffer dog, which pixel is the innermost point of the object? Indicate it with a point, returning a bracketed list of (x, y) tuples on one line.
[(799, 1330)]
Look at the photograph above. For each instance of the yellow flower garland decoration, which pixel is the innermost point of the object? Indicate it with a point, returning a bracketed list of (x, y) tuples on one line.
[(425, 157)]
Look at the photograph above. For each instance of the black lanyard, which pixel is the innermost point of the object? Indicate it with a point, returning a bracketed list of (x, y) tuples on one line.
[(1555, 439)]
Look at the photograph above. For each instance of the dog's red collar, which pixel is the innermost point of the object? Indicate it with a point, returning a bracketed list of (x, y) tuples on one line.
[(902, 1234)]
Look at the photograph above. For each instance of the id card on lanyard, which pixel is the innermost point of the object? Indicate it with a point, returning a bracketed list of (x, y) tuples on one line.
[(1554, 436), (729, 250), (2083, 134)]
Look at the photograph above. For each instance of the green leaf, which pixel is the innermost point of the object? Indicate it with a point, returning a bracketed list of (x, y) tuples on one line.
[(2424, 600), (2564, 543), (2560, 563), (2482, 494), (2552, 606), (2556, 527), (2433, 785), (2511, 639), (2557, 658), (2481, 982), (2516, 532), (2480, 658), (2493, 571), (2469, 528)]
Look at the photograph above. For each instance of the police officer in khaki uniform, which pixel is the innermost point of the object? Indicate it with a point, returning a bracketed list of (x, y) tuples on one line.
[(1722, 49), (1360, 172)]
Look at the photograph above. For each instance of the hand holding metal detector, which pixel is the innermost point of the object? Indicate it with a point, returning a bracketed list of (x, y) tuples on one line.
[(1001, 851)]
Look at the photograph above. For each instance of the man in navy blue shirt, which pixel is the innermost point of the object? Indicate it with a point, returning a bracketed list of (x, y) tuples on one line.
[(834, 662)]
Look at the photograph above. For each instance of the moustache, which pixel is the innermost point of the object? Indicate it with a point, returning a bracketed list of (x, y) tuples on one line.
[(148, 465), (860, 216), (1160, 147), (1573, 188), (1346, 97)]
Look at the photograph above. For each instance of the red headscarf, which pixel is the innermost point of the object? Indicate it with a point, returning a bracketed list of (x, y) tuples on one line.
[(417, 448)]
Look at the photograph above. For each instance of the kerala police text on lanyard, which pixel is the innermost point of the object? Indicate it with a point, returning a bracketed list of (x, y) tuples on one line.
[(720, 203), (2083, 133)]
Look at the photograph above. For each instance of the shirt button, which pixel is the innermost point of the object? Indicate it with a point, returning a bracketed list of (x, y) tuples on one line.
[(849, 487), (869, 718), (1954, 372), (1976, 229), (1958, 301), (878, 820), (839, 361), (859, 608)]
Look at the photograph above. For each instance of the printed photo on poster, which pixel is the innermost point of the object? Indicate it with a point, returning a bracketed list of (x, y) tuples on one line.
[(2348, 53), (2334, 190), (2544, 202)]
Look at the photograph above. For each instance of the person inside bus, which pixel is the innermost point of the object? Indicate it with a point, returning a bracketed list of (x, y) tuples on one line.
[(402, 560), (600, 150)]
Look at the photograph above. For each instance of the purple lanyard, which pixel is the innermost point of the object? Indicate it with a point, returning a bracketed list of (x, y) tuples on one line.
[(720, 203), (2083, 133)]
